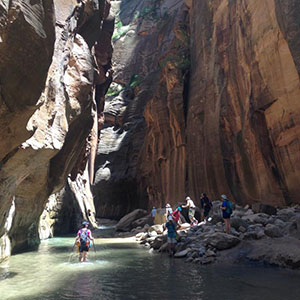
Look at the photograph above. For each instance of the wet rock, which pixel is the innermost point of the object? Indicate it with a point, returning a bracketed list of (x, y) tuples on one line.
[(182, 253), (158, 242), (163, 247)]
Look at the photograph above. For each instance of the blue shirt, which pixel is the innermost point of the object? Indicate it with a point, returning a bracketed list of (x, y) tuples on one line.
[(153, 212), (226, 215), (171, 229)]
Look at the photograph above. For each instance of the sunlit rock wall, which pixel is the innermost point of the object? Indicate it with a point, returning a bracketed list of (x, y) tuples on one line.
[(47, 112), (204, 99), (141, 153), (244, 113)]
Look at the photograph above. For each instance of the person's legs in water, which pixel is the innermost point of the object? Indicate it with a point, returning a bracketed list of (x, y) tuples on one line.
[(84, 256)]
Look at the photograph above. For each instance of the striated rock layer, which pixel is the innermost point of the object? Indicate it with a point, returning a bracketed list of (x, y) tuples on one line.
[(141, 154), (48, 111), (243, 116), (204, 98)]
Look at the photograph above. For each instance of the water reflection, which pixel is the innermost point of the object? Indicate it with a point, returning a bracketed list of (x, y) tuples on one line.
[(119, 270)]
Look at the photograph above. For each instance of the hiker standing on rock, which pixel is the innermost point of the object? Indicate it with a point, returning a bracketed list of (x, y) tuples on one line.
[(226, 208), (168, 210), (206, 205), (83, 239), (153, 212), (190, 204), (176, 215)]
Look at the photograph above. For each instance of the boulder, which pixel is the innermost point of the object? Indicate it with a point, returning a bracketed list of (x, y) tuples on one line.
[(294, 228), (264, 208), (125, 224), (286, 214), (163, 247), (157, 228), (256, 218), (158, 242), (237, 222), (182, 253), (273, 231), (142, 221), (222, 241)]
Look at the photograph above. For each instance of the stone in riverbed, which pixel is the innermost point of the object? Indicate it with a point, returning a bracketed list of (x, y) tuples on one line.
[(182, 253)]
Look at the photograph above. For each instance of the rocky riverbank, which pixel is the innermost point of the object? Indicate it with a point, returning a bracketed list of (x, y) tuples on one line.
[(261, 233)]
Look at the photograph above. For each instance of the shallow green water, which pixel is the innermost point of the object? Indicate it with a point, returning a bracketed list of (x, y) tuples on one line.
[(127, 271)]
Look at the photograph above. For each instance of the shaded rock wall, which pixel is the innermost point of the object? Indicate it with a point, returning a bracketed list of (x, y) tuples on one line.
[(204, 98), (53, 140), (141, 149)]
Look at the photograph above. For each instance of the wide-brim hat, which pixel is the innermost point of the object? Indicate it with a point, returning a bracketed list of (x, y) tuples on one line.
[(224, 197)]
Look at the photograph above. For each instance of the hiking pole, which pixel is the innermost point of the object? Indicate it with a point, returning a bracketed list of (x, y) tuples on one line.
[(72, 251)]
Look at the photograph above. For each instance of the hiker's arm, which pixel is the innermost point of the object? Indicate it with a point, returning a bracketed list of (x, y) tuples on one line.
[(90, 235)]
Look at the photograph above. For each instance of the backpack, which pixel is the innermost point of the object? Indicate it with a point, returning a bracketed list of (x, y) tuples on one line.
[(84, 238), (228, 207)]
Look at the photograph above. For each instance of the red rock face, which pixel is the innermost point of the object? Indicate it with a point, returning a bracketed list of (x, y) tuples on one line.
[(243, 117), (230, 125)]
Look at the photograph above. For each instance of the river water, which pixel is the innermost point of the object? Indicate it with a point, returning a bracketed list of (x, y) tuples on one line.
[(121, 269)]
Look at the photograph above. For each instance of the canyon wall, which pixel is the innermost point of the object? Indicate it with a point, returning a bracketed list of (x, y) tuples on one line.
[(204, 99), (48, 74)]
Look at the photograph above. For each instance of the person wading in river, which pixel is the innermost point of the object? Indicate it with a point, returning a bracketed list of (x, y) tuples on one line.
[(83, 239), (171, 235)]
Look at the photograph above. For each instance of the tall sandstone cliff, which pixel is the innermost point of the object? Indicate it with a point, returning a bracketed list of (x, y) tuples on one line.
[(205, 98), (48, 74)]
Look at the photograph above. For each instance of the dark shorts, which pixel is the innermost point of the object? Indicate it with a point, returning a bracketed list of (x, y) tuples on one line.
[(83, 248), (226, 215), (206, 212)]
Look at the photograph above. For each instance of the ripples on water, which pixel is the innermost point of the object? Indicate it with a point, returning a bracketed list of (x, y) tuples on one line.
[(127, 271)]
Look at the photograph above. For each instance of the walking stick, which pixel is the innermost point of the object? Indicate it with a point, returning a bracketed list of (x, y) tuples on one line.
[(72, 251)]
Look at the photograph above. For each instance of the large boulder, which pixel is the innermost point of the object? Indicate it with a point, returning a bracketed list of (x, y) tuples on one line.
[(126, 223), (286, 214), (256, 218), (273, 231), (294, 227), (237, 222), (142, 221), (222, 241), (264, 208)]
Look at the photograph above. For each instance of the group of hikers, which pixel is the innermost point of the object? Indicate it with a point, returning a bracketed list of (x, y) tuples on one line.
[(84, 236), (173, 216)]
